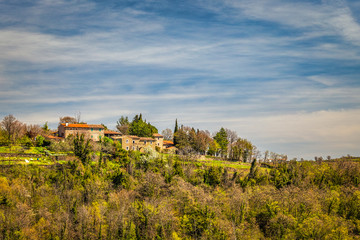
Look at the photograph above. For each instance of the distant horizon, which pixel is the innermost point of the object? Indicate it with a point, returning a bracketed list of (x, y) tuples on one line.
[(284, 75), (112, 126)]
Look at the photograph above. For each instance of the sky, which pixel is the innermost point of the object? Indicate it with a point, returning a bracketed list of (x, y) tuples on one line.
[(283, 74)]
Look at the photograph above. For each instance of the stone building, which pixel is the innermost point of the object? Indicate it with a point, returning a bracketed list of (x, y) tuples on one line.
[(90, 131)]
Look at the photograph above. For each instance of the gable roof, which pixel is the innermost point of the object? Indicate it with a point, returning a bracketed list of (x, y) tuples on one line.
[(166, 142), (81, 125), (112, 132), (157, 135)]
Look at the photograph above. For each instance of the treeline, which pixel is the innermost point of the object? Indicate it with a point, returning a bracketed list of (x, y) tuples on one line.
[(225, 143), (13, 131), (150, 196)]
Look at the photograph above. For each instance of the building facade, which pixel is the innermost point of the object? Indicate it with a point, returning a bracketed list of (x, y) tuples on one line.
[(136, 143), (90, 131)]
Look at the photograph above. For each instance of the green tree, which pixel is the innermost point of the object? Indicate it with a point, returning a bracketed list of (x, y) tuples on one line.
[(242, 150), (182, 139), (221, 139), (41, 141), (46, 127), (213, 148), (175, 131), (141, 128), (82, 148)]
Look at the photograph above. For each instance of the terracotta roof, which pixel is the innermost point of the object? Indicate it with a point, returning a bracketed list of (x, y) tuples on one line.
[(95, 125), (82, 125), (112, 132), (75, 125), (166, 142), (157, 135)]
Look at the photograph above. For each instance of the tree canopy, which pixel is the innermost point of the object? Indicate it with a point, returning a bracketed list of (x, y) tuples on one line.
[(222, 139)]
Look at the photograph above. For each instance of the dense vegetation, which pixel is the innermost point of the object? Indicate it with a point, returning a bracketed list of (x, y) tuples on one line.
[(100, 191), (152, 196)]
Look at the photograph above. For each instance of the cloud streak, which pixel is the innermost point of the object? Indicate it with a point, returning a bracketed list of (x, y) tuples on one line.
[(250, 66)]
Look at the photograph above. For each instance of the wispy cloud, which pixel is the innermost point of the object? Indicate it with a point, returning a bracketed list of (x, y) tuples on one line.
[(253, 66), (327, 18)]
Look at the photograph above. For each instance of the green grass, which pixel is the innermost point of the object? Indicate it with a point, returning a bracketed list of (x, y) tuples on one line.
[(20, 149), (236, 165), (25, 160)]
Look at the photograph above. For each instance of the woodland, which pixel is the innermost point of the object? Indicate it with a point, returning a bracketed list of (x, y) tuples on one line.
[(100, 191)]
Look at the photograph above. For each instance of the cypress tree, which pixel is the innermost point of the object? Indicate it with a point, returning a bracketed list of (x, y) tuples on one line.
[(176, 126), (175, 131)]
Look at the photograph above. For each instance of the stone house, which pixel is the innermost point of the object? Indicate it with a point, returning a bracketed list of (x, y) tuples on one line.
[(94, 132), (136, 143)]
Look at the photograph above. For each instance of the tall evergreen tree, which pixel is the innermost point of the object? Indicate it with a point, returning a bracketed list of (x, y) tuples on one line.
[(175, 130), (176, 126)]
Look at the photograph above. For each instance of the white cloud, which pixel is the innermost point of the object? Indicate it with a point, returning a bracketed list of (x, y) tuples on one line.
[(113, 62), (329, 18)]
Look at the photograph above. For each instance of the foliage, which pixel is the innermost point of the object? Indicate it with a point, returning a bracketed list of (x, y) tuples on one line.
[(141, 128), (189, 141), (41, 142), (82, 148), (133, 195), (221, 139), (241, 150)]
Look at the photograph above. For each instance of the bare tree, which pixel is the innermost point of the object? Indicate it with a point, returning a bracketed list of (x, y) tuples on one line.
[(256, 153), (203, 141), (33, 130), (12, 127), (232, 137), (168, 134), (78, 117), (68, 119), (266, 155), (123, 125)]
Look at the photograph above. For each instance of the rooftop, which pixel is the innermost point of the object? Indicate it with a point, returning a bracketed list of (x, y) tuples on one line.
[(112, 132), (81, 125)]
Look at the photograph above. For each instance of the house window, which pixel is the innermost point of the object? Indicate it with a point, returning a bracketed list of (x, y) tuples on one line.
[(92, 129), (133, 141), (133, 148), (127, 148), (127, 140), (144, 142), (91, 136)]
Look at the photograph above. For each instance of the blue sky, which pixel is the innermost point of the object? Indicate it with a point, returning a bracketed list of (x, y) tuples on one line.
[(283, 74)]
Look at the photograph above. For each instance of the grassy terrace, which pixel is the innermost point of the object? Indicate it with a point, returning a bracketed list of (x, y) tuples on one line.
[(19, 155), (43, 159), (223, 163)]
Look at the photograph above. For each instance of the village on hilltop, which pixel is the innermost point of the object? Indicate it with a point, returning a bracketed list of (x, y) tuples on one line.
[(97, 132)]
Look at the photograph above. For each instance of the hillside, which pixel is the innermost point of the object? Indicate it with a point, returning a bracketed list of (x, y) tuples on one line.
[(153, 196)]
